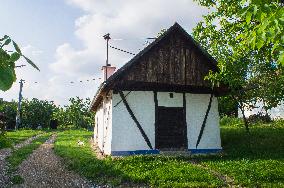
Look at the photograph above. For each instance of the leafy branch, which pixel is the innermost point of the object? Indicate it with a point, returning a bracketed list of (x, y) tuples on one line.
[(7, 62)]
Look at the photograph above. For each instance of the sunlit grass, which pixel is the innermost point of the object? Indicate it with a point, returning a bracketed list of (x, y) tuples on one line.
[(254, 159), (152, 170), (14, 137)]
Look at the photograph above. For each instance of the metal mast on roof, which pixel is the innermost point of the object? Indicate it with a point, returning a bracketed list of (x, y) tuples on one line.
[(106, 37)]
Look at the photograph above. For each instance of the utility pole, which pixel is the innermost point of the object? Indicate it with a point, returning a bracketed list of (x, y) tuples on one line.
[(19, 113), (106, 37)]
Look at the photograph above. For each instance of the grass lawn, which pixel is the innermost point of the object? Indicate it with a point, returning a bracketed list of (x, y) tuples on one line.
[(152, 170), (15, 137), (253, 160)]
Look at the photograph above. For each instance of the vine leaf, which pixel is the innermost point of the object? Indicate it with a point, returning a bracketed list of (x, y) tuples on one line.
[(17, 47), (31, 63), (7, 77)]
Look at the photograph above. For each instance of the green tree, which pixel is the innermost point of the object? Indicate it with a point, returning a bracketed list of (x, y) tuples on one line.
[(227, 106), (8, 59), (9, 112), (76, 114), (246, 38), (37, 112)]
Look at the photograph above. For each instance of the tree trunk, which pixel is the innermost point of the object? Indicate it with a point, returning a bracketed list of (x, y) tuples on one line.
[(244, 117)]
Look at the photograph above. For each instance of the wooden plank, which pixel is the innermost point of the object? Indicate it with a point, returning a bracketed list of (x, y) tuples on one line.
[(187, 62), (189, 65), (184, 65), (179, 70), (150, 74), (199, 73), (170, 128), (167, 70), (193, 65)]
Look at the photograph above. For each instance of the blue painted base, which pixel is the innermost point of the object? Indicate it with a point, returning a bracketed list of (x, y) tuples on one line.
[(204, 151), (136, 152), (155, 151)]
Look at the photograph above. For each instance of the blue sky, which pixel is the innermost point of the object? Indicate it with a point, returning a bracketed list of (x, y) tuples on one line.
[(33, 21), (64, 38)]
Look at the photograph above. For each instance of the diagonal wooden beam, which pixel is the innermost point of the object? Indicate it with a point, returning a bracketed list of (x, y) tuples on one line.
[(135, 119), (204, 121)]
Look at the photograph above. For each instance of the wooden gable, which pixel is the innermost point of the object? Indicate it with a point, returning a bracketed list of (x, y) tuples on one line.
[(173, 62)]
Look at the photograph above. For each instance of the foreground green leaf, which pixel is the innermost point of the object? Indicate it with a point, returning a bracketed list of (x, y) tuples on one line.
[(7, 77)]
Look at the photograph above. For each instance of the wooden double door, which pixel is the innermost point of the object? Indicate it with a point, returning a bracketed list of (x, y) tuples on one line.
[(171, 130)]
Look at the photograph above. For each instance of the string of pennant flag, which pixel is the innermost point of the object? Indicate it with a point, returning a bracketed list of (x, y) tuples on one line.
[(146, 43), (71, 82)]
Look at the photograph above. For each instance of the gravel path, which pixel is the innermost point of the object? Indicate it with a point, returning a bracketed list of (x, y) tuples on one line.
[(4, 153), (44, 169), (4, 179)]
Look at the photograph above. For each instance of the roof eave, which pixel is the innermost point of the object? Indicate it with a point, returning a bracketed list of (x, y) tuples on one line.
[(94, 102)]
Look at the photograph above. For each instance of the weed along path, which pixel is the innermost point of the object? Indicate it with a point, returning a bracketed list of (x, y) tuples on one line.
[(44, 169), (6, 152)]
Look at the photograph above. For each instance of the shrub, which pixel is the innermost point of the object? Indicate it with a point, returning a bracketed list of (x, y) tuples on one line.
[(36, 113), (259, 117), (76, 114), (230, 121), (8, 112), (228, 106), (4, 142)]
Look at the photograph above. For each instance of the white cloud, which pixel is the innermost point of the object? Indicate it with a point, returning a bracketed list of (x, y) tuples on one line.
[(73, 63), (31, 50), (132, 21)]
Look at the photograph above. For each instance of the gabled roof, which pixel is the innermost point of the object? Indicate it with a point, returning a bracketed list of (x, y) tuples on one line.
[(173, 28), (105, 86)]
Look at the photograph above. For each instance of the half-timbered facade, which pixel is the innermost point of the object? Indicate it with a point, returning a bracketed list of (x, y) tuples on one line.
[(160, 100)]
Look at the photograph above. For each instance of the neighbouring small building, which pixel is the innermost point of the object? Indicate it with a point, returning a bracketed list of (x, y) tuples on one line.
[(159, 100)]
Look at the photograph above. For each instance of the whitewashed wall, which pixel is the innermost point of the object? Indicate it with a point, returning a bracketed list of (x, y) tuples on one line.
[(103, 127), (165, 100), (127, 137), (98, 130), (196, 106)]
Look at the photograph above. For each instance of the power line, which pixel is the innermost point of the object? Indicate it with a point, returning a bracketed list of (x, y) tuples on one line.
[(151, 38), (132, 39), (20, 66), (121, 50)]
